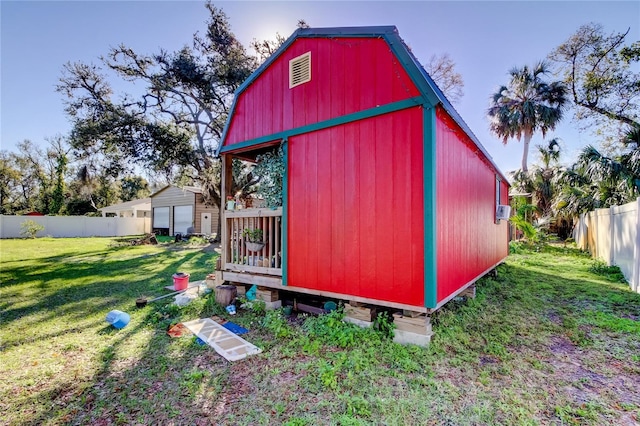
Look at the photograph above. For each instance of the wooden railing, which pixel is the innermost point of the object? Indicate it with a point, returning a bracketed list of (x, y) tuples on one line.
[(237, 256)]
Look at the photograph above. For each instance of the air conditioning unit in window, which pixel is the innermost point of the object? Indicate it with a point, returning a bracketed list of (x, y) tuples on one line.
[(503, 212)]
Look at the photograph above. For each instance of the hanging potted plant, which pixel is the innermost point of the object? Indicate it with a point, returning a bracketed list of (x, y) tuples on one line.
[(253, 239)]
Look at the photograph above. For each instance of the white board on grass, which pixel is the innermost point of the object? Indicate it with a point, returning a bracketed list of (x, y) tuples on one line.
[(228, 344)]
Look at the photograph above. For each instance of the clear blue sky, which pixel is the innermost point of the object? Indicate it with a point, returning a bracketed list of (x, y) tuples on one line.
[(485, 39)]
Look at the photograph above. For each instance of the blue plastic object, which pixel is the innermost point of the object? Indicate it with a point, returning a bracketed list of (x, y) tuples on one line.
[(234, 328), (252, 292), (118, 319)]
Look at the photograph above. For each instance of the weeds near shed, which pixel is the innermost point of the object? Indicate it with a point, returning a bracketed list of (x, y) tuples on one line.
[(276, 322), (384, 324), (332, 330)]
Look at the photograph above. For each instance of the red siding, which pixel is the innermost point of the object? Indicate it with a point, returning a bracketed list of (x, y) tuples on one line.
[(468, 241), (347, 75), (355, 209)]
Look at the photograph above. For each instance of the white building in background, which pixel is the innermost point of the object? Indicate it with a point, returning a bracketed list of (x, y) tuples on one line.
[(133, 208)]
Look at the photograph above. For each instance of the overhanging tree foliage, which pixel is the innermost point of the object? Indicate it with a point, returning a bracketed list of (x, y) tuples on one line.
[(442, 70), (177, 123), (598, 69)]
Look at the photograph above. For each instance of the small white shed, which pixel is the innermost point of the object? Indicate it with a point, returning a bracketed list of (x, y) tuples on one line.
[(133, 208)]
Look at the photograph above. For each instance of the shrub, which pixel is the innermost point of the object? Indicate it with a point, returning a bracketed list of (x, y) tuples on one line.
[(29, 228), (611, 273)]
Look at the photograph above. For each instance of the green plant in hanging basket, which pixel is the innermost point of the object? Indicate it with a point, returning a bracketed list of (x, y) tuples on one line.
[(253, 239), (253, 235)]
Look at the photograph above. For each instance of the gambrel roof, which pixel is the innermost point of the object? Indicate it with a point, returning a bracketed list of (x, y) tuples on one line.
[(429, 91)]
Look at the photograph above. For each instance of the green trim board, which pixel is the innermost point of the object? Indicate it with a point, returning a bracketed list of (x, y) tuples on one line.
[(285, 211), (430, 89), (348, 118), (430, 202), (400, 51)]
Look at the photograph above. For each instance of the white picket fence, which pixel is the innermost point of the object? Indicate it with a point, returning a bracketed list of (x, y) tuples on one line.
[(613, 235), (76, 226)]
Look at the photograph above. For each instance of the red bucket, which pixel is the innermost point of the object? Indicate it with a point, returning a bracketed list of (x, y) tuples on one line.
[(180, 281)]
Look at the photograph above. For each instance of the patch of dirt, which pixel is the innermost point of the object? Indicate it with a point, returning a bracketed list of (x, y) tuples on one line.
[(287, 379), (554, 317), (488, 359), (210, 361), (587, 384), (561, 346)]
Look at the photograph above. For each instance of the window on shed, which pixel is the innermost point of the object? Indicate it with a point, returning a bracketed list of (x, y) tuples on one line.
[(300, 70)]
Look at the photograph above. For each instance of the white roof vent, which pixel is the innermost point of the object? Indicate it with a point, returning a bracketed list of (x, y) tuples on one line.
[(300, 70)]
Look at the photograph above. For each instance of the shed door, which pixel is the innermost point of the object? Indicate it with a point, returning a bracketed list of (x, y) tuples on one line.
[(205, 223), (182, 219), (161, 217)]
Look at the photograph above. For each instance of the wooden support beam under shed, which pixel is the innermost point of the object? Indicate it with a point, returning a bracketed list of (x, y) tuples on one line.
[(361, 313), (469, 292), (413, 330)]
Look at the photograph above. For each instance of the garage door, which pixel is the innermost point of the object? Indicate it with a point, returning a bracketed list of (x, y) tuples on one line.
[(182, 219), (161, 217)]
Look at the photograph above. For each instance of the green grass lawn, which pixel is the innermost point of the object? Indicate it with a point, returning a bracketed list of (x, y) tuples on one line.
[(555, 339)]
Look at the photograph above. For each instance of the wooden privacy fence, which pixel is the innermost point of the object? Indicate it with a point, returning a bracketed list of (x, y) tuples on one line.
[(613, 235), (238, 257), (76, 226)]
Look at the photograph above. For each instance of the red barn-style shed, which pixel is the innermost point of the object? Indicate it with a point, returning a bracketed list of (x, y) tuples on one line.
[(388, 197)]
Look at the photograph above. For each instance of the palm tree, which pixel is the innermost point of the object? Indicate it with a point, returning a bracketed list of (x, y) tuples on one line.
[(541, 181), (544, 177), (526, 105)]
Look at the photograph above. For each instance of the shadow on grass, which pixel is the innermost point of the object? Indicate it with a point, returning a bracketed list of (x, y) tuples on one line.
[(179, 377), (56, 287), (160, 386), (524, 306), (123, 388), (175, 380)]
